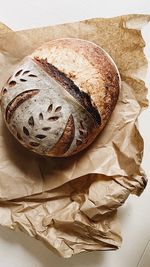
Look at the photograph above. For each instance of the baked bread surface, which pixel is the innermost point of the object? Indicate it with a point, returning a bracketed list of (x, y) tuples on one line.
[(60, 97)]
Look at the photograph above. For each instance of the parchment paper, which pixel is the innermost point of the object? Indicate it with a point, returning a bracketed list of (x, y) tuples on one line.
[(71, 204)]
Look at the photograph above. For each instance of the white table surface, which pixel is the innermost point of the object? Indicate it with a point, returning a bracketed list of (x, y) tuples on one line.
[(19, 250)]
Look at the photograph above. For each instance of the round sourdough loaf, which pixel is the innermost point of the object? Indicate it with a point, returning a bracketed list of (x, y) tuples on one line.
[(60, 97)]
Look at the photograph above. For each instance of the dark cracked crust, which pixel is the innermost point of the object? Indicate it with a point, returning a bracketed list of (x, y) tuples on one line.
[(17, 101), (83, 98)]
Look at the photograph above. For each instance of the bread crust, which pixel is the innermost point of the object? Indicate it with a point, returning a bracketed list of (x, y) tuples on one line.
[(102, 84), (77, 86), (83, 98)]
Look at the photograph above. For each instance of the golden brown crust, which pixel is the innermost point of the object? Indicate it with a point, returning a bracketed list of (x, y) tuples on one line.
[(104, 67), (98, 76)]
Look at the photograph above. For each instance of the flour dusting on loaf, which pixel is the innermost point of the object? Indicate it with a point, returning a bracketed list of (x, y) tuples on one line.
[(60, 97)]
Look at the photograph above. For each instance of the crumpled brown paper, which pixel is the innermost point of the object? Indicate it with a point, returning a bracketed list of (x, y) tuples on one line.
[(71, 204)]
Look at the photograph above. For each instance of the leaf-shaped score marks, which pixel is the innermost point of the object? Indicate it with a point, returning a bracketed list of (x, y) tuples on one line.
[(4, 91), (23, 80), (18, 73), (31, 121), (58, 109), (26, 72), (41, 116), (12, 83), (54, 118), (40, 136), (25, 130), (32, 75), (50, 107), (46, 128)]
